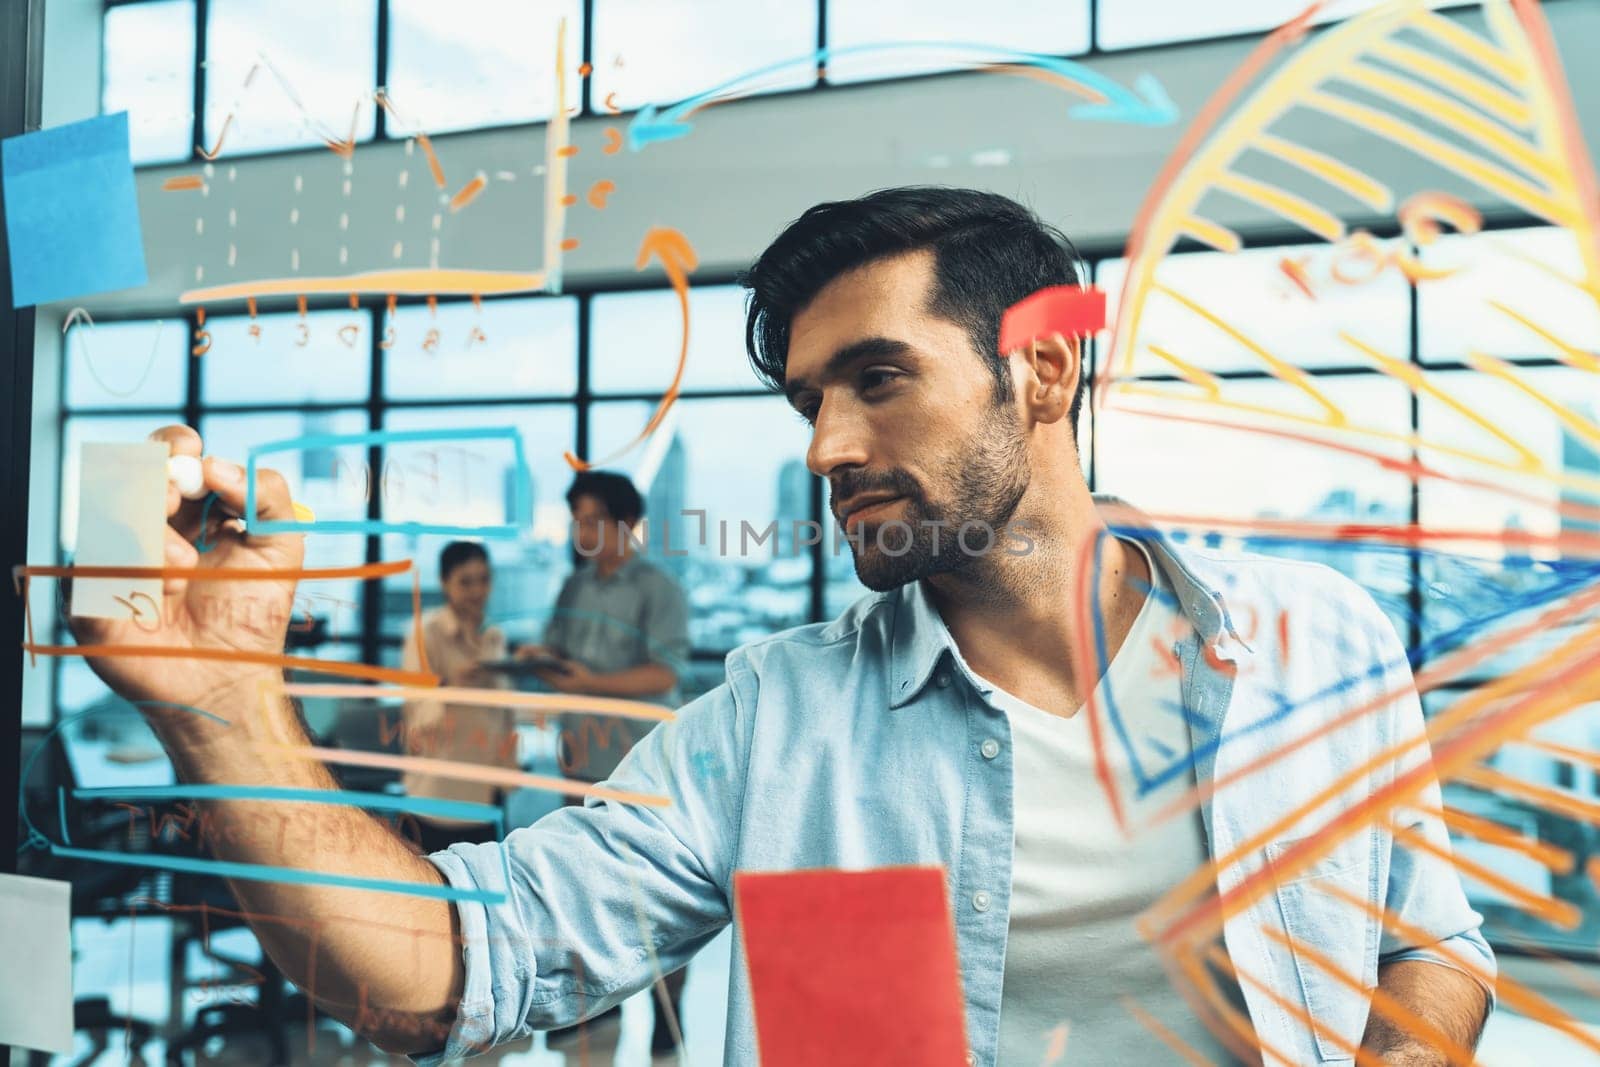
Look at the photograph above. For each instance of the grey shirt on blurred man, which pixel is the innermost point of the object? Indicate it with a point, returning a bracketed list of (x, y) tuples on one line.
[(636, 615)]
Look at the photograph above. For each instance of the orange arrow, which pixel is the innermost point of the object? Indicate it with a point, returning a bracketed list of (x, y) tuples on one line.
[(677, 258)]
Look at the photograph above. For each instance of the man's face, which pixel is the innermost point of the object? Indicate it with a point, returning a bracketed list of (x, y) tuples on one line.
[(593, 528), (905, 423)]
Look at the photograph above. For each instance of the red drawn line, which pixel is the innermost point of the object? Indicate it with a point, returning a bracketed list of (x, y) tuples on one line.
[(1064, 309)]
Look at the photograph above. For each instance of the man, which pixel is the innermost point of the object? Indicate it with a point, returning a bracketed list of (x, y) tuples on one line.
[(888, 736), (457, 643), (620, 629)]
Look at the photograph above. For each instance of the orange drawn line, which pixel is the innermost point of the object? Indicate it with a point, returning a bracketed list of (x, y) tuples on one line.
[(233, 655), (469, 192), (611, 104), (433, 159), (677, 257), (183, 182), (1453, 754), (569, 200), (1513, 993), (221, 134), (492, 698), (568, 244), (1558, 860), (411, 282), (613, 141), (585, 69), (599, 191), (567, 151), (471, 772), (1410, 1021), (1557, 912), (1363, 1057), (1295, 270), (1177, 1044), (232, 574)]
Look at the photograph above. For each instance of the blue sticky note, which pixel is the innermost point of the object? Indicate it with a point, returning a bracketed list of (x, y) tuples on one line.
[(72, 216)]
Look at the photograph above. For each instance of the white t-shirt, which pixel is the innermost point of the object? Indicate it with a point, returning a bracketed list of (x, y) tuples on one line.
[(1074, 960)]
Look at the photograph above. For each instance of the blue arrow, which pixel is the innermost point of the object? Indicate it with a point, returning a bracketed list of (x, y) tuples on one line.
[(1146, 104)]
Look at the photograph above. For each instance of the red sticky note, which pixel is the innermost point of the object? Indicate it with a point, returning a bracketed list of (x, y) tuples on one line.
[(1064, 309), (852, 967)]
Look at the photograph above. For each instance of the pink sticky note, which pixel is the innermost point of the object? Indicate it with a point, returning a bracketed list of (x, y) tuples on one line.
[(852, 967)]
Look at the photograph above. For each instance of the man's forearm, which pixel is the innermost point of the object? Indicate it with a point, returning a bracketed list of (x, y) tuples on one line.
[(647, 679), (387, 963), (1425, 1014)]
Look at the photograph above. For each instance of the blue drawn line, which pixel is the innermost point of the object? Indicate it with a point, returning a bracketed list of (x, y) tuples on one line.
[(35, 839), (261, 872), (201, 544), (1147, 783), (1146, 104), (444, 809), (523, 480), (61, 813)]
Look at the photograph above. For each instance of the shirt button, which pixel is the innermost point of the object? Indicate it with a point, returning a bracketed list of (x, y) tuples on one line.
[(980, 900), (942, 680), (990, 748)]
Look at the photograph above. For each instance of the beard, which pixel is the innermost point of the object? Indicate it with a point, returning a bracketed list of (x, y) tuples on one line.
[(986, 478)]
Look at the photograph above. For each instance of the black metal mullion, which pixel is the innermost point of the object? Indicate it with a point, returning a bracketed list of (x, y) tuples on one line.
[(822, 41), (380, 73), (202, 14), (586, 58), (372, 588), (585, 397), (21, 74)]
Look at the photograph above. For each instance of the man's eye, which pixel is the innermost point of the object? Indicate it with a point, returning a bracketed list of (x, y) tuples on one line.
[(806, 413), (872, 378)]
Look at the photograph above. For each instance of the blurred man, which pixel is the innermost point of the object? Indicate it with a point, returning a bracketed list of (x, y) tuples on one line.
[(458, 642), (621, 629)]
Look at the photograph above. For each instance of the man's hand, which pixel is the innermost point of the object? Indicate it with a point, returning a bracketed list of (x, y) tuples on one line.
[(570, 677), (233, 616)]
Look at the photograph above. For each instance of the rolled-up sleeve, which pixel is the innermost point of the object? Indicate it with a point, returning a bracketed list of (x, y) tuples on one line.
[(1429, 916), (594, 902)]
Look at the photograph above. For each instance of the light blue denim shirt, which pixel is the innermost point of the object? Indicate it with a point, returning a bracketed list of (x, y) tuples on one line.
[(864, 742)]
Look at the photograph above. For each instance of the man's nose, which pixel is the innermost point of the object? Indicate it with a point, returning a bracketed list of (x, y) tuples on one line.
[(838, 439)]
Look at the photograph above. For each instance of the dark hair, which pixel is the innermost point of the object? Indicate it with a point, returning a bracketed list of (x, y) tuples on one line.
[(458, 552), (989, 252), (622, 501)]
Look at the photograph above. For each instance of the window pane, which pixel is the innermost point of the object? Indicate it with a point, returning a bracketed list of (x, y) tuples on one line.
[(327, 480), (263, 360), (734, 460), (528, 568), (1059, 29), (646, 51), (1165, 465), (635, 338), (1479, 589), (509, 348), (1250, 293), (317, 62), (478, 62), (1502, 278), (149, 73), (1127, 23), (79, 430), (127, 364)]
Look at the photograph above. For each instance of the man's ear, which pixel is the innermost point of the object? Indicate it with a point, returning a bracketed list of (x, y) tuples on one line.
[(1045, 376)]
